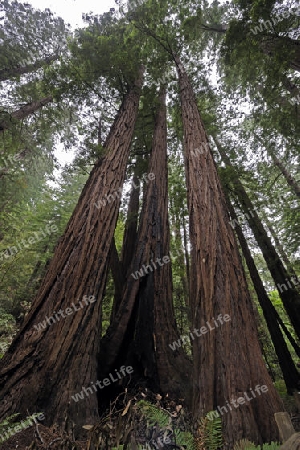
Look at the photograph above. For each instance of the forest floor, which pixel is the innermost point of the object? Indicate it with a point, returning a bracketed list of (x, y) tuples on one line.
[(124, 422)]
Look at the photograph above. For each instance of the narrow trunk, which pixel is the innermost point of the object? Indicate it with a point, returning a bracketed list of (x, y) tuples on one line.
[(288, 368), (280, 248), (144, 325), (131, 226), (227, 359), (286, 286), (287, 175), (24, 112), (11, 72), (120, 266), (43, 369), (118, 276)]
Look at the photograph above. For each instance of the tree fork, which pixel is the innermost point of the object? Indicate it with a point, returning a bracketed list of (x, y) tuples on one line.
[(145, 325)]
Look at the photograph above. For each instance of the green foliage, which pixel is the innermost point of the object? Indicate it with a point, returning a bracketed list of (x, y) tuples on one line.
[(244, 444), (209, 432), (8, 422), (154, 414), (157, 416)]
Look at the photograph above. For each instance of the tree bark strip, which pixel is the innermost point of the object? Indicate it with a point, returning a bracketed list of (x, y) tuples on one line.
[(144, 325), (287, 175), (288, 368), (280, 248), (227, 360), (288, 293), (43, 369)]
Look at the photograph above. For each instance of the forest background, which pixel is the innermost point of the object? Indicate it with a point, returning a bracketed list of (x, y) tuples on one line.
[(61, 88)]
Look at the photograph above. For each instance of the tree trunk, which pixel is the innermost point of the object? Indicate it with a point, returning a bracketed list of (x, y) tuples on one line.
[(24, 112), (43, 369), (288, 293), (228, 360), (287, 175), (288, 368), (130, 232), (144, 325), (11, 72), (118, 276), (120, 267), (280, 248)]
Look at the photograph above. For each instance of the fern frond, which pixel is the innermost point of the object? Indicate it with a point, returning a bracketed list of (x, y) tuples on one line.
[(154, 415)]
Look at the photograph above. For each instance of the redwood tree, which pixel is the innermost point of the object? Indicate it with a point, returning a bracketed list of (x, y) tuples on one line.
[(289, 371), (42, 369), (144, 325), (288, 292), (227, 360)]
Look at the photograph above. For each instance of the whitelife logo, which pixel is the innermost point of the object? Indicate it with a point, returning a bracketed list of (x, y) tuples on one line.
[(69, 311), (106, 381), (118, 194), (11, 251), (237, 402), (203, 330)]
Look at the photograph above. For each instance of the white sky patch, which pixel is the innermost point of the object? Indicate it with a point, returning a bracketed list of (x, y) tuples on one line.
[(71, 10)]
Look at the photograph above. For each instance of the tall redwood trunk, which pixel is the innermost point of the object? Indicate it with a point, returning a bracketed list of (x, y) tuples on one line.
[(281, 250), (227, 360), (144, 325), (287, 291), (288, 368), (287, 175), (43, 369)]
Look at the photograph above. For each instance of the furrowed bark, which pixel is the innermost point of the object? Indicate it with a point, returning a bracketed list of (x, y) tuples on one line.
[(288, 293), (144, 325), (227, 359), (43, 369), (288, 368)]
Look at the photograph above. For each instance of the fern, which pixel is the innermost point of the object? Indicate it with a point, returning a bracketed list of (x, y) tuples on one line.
[(209, 434), (8, 422), (272, 446), (154, 415), (185, 439), (213, 434)]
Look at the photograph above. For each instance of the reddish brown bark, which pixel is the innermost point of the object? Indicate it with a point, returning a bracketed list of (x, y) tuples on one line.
[(288, 368), (42, 370), (227, 360), (144, 325), (287, 291)]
